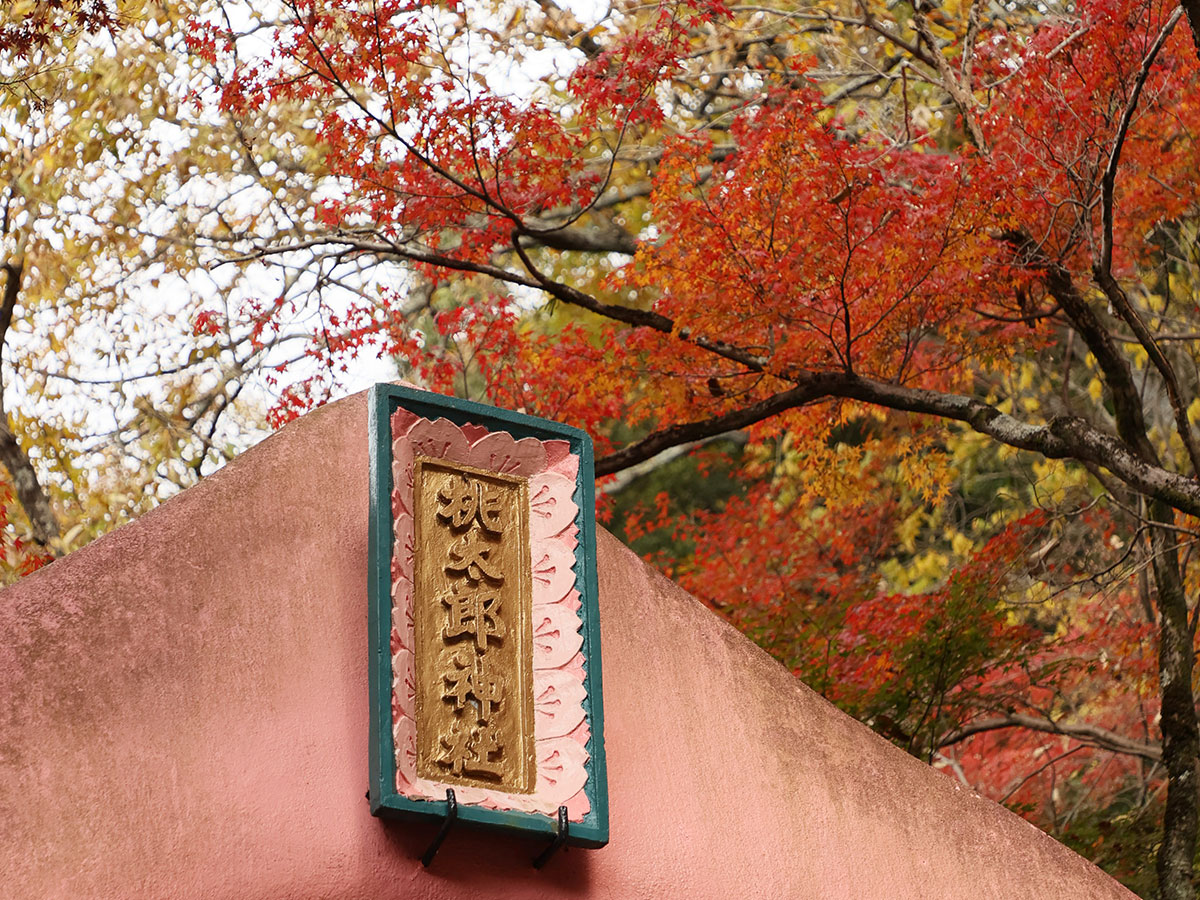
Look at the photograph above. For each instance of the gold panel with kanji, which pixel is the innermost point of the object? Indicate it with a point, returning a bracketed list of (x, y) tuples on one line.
[(472, 618)]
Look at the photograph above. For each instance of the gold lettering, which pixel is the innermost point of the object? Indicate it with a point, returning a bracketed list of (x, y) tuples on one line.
[(476, 613), (472, 604), (471, 556), (468, 751), (473, 676), (463, 500)]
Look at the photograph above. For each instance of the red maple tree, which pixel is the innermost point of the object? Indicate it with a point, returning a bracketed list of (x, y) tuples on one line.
[(686, 236)]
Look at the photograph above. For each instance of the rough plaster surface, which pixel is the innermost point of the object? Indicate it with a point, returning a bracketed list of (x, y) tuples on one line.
[(183, 714)]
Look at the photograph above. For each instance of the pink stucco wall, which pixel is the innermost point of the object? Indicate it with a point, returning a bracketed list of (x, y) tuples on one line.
[(183, 714)]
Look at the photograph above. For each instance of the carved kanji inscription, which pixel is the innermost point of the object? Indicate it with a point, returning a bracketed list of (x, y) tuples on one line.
[(474, 651)]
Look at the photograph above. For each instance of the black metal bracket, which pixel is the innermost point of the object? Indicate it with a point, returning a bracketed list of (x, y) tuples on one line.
[(560, 838), (451, 818)]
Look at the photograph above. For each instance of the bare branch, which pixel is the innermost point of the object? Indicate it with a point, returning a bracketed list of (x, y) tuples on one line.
[(1088, 734), (585, 240), (960, 91), (691, 432), (627, 476), (1063, 437)]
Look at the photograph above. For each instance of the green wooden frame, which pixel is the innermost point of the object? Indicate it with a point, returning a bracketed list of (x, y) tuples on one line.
[(385, 801)]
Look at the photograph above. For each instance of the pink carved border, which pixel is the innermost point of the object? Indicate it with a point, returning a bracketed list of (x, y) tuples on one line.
[(560, 729)]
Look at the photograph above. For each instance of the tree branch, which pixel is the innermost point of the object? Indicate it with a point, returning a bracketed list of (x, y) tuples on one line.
[(29, 493), (13, 272), (1088, 734), (865, 80), (959, 91), (1103, 269), (687, 433), (1127, 404), (584, 240), (25, 481), (1193, 14), (868, 21), (637, 317), (1108, 182), (1063, 437)]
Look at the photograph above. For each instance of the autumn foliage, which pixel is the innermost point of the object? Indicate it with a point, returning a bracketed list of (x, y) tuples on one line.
[(42, 22), (799, 265), (934, 267)]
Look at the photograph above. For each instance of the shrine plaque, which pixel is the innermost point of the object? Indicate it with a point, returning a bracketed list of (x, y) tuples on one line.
[(474, 701), (485, 679)]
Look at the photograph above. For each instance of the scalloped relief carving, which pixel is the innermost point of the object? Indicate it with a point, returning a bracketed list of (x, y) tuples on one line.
[(560, 731), (556, 636), (549, 512)]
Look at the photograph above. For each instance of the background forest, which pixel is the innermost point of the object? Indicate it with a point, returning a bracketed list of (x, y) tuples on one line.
[(884, 316)]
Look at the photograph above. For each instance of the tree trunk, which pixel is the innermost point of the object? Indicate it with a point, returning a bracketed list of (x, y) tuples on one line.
[(1192, 8), (1181, 736), (29, 492), (24, 479)]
